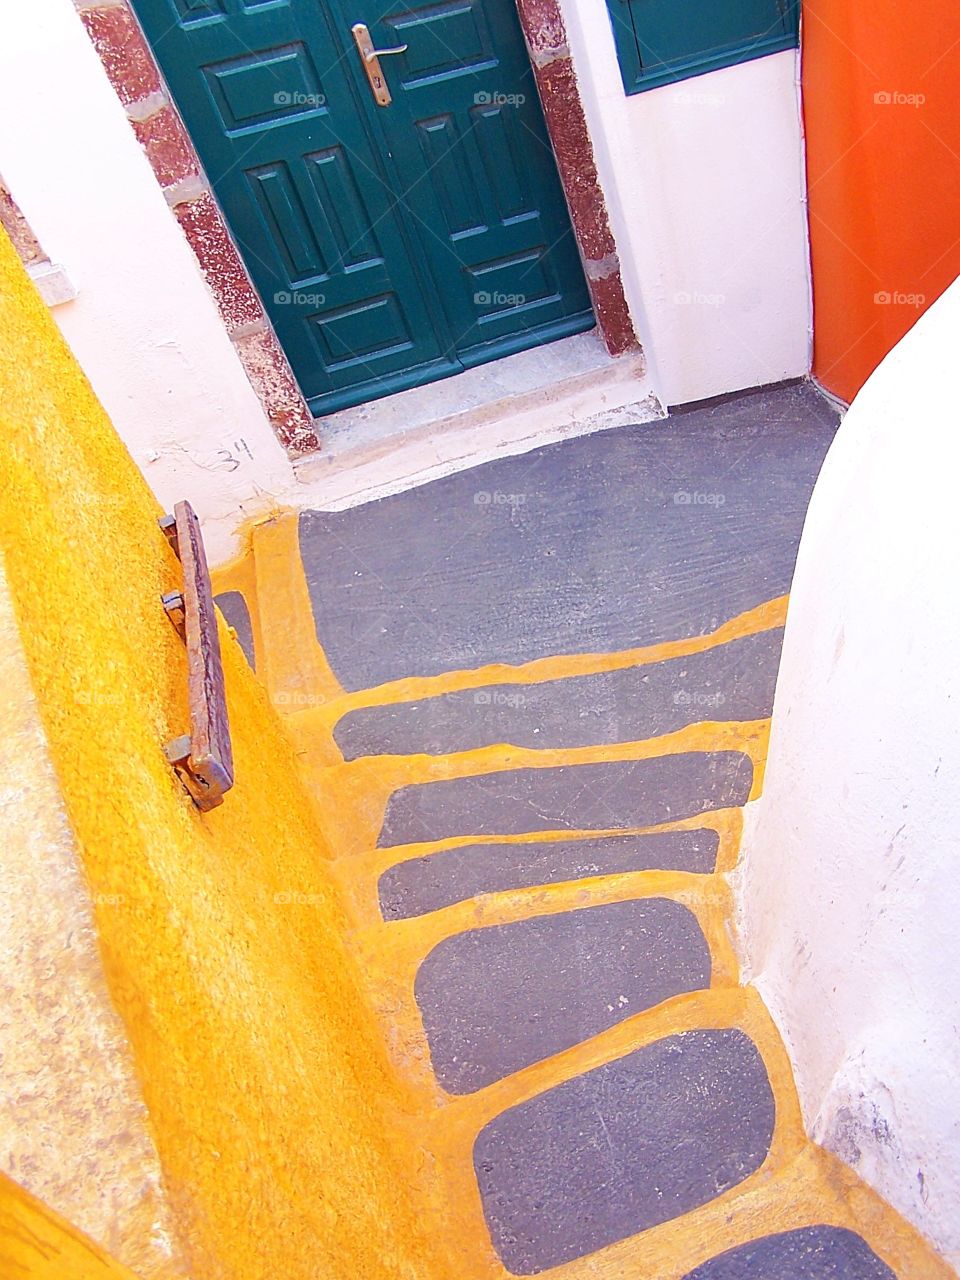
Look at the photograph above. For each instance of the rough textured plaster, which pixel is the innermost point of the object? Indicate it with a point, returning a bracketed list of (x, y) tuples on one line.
[(73, 1127), (276, 1118)]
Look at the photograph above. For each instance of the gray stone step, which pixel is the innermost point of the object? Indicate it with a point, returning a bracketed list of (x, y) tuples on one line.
[(624, 1147), (420, 885), (234, 609), (497, 999), (810, 1253), (607, 795), (733, 681)]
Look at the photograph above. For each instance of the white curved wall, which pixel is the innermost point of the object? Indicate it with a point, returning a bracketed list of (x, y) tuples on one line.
[(850, 882)]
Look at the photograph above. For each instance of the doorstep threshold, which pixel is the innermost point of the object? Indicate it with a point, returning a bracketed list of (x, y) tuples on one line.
[(509, 406)]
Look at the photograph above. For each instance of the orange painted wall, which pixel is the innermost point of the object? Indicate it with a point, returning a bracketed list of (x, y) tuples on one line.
[(881, 86)]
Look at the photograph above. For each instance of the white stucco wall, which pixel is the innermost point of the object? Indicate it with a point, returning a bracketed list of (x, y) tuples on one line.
[(850, 883), (144, 326), (704, 183)]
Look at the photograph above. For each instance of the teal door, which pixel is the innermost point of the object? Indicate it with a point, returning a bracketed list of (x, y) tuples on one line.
[(391, 244)]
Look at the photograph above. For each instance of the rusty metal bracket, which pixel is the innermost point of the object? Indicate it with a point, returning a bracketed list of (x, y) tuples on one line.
[(203, 758), (175, 609)]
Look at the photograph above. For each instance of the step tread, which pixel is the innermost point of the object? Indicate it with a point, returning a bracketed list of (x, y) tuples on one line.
[(495, 1000), (602, 796), (440, 879), (624, 1147), (734, 681), (808, 1253)]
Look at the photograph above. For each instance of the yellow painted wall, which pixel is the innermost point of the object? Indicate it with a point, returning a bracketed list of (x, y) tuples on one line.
[(36, 1244), (275, 1113)]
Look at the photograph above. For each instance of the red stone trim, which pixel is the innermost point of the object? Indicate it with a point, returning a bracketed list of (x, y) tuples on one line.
[(134, 74), (19, 229), (207, 234), (546, 37)]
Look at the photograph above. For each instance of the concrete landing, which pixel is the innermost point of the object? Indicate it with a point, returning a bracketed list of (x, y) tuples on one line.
[(602, 543)]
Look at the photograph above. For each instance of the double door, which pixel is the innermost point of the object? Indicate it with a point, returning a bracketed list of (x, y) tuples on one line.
[(401, 215)]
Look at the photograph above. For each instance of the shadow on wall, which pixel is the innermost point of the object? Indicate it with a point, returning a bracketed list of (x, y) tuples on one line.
[(272, 1106), (850, 886)]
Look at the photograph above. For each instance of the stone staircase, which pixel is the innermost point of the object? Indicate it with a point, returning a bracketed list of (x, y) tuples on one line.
[(534, 823)]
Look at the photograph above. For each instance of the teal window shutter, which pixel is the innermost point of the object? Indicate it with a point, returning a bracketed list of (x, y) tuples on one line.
[(660, 41)]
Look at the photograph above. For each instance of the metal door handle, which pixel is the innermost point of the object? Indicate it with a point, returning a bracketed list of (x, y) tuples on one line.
[(371, 62), (383, 53)]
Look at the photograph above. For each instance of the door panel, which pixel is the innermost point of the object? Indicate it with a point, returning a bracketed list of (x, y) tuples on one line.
[(466, 128), (390, 245), (284, 142)]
